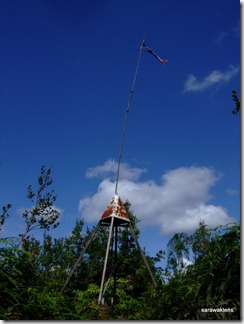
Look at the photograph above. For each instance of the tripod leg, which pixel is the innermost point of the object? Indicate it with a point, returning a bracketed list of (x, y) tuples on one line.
[(115, 261), (143, 256), (105, 262), (79, 259)]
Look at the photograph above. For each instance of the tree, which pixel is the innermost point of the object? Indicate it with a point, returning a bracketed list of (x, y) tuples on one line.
[(20, 269), (4, 215), (236, 110), (32, 272), (43, 215), (211, 282)]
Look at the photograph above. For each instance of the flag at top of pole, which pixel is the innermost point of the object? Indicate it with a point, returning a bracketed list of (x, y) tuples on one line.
[(149, 50)]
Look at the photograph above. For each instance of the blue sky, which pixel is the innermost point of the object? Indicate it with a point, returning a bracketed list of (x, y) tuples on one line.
[(67, 68)]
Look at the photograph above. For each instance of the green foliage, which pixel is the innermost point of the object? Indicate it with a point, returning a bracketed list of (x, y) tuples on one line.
[(43, 215), (4, 215), (236, 110), (211, 282), (32, 272), (86, 306)]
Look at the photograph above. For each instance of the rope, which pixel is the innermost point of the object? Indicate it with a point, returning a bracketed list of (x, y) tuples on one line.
[(125, 122)]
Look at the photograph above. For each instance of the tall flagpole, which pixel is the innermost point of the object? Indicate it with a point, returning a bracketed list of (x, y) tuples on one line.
[(113, 224), (125, 121)]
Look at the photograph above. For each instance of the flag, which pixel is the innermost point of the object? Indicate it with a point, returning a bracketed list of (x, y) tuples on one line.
[(149, 50)]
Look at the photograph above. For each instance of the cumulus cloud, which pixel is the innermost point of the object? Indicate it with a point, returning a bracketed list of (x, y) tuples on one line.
[(213, 78), (110, 168), (177, 203)]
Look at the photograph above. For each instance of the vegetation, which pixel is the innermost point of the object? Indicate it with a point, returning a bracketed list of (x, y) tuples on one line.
[(237, 108), (32, 272)]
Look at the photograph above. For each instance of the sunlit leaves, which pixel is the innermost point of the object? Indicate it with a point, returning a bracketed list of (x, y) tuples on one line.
[(32, 272)]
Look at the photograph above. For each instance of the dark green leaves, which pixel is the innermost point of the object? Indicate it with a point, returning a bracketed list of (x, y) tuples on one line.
[(32, 272), (43, 215), (4, 214), (237, 108)]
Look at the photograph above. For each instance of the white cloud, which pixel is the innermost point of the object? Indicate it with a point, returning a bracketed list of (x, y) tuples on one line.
[(110, 168), (221, 36), (213, 78), (186, 262), (21, 210), (232, 192), (178, 203), (45, 212)]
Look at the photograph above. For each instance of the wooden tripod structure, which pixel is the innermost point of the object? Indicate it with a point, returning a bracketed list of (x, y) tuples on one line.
[(114, 216)]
